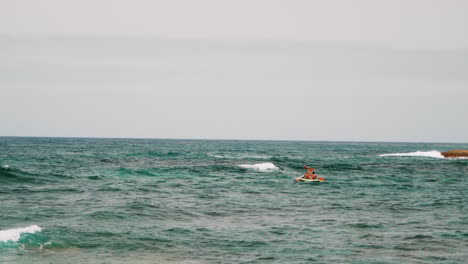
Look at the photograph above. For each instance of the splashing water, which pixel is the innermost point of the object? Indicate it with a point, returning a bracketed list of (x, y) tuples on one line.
[(260, 166), (15, 233)]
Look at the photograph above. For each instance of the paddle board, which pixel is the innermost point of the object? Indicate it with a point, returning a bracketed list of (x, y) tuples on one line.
[(309, 180)]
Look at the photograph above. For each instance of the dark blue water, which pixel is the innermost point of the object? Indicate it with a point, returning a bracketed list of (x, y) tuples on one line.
[(68, 200)]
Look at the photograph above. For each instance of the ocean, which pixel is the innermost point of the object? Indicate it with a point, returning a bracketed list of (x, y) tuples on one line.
[(85, 200)]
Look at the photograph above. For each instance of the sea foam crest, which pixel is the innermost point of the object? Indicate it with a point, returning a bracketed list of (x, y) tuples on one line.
[(15, 233), (238, 156), (431, 154), (260, 166)]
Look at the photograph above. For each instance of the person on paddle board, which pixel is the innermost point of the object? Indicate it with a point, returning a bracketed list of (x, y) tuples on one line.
[(313, 176), (308, 174)]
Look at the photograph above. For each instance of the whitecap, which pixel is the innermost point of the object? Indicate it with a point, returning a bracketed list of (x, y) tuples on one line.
[(267, 166), (15, 233), (431, 154), (238, 156)]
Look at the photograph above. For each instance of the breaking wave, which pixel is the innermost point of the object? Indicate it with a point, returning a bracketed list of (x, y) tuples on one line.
[(237, 156), (431, 154), (14, 234), (267, 166)]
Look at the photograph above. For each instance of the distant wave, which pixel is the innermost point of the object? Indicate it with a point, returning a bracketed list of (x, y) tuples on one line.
[(267, 166), (431, 154), (238, 156), (13, 175), (15, 233)]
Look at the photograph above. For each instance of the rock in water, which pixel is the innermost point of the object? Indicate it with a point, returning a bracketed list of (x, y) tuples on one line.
[(456, 153)]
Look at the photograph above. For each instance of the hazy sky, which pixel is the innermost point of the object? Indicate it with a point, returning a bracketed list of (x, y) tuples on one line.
[(259, 69), (419, 24)]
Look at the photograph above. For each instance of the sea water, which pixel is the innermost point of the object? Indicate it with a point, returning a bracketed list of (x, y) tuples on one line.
[(71, 200)]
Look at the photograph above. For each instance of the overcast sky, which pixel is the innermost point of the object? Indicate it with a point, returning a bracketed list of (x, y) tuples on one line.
[(418, 24), (258, 69)]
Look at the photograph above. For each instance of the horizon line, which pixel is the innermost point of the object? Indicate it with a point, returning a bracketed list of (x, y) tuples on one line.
[(231, 139)]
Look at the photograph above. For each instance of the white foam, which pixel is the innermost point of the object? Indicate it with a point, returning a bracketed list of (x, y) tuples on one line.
[(6, 166), (260, 166), (431, 154), (15, 233), (238, 156)]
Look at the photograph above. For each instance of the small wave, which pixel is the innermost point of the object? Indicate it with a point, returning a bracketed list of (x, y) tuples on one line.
[(267, 166), (14, 175), (238, 156), (15, 233), (431, 154), (126, 171)]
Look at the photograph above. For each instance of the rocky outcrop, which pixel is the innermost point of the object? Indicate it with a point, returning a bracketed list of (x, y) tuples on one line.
[(456, 153)]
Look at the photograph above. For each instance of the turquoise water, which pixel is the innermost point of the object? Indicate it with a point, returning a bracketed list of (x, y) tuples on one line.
[(195, 201)]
